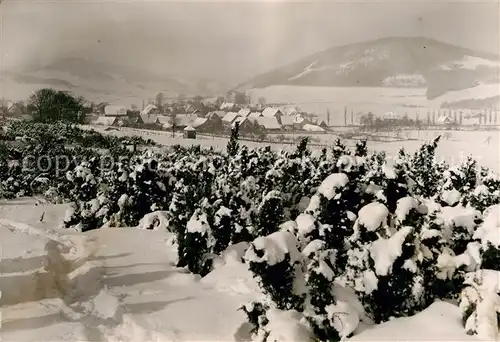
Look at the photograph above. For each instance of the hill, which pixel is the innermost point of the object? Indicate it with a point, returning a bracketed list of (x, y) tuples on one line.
[(396, 62), (102, 81)]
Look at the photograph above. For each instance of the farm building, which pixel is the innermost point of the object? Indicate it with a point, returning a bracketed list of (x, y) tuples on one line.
[(207, 125), (288, 122), (246, 125), (229, 118), (189, 132), (271, 112), (269, 124), (150, 109), (113, 110), (106, 121)]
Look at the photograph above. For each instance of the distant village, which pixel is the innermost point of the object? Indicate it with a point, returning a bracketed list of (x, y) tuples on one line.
[(213, 115)]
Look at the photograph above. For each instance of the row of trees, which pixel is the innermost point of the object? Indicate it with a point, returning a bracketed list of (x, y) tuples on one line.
[(49, 105)]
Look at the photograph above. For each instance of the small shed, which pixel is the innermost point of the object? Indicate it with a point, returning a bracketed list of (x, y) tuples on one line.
[(189, 132)]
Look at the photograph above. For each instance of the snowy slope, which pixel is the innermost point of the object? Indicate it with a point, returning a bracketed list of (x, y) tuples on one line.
[(121, 285)]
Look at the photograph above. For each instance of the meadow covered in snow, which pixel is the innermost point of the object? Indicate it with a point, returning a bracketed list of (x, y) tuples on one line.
[(245, 244), (378, 100)]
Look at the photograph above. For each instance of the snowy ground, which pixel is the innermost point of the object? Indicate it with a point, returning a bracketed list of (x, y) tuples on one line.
[(121, 285), (453, 149), (378, 100)]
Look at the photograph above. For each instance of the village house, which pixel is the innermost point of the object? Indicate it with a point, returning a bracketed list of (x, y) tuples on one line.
[(229, 118), (271, 112), (245, 125), (254, 115), (269, 123), (219, 113), (207, 125), (288, 123)]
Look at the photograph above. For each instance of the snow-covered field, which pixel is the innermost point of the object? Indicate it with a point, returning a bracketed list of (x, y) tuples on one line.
[(121, 285), (377, 100), (453, 149)]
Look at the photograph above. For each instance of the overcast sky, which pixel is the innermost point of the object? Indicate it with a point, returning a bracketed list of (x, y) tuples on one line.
[(229, 41)]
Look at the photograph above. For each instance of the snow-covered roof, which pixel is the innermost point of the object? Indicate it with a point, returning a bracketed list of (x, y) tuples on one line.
[(219, 113), (115, 110), (270, 112), (269, 123), (106, 121), (148, 109), (189, 128), (185, 119), (289, 110), (230, 117), (244, 112), (198, 122), (254, 115)]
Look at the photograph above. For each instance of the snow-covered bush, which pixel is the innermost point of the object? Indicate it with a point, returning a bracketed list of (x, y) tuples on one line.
[(198, 243), (276, 262), (480, 304)]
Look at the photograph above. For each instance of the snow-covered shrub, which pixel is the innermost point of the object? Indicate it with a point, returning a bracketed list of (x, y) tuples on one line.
[(488, 233), (487, 192), (319, 279), (198, 243), (480, 304), (157, 220), (270, 214), (458, 183), (275, 261)]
